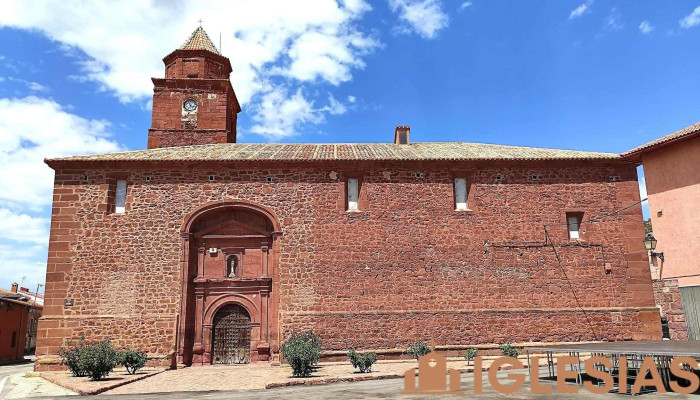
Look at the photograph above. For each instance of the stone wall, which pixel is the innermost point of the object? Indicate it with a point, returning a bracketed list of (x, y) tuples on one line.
[(668, 299), (214, 120), (406, 267)]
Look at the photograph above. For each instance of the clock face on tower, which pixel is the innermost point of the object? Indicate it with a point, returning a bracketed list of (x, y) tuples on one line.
[(189, 105)]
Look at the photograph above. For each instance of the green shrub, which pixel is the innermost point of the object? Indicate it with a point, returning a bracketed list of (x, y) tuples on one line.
[(362, 361), (470, 354), (508, 350), (132, 360), (418, 349), (71, 356), (97, 360), (301, 352)]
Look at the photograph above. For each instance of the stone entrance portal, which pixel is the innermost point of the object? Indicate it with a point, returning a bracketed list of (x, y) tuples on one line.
[(231, 335), (229, 288)]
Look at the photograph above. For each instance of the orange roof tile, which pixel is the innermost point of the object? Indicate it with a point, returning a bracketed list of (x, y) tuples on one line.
[(199, 40), (683, 134), (416, 151)]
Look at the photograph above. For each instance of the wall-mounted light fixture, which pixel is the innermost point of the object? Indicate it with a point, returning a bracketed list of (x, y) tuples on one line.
[(650, 244)]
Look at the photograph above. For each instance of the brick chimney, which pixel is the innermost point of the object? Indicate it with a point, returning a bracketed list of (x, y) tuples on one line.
[(24, 290), (14, 287), (402, 135)]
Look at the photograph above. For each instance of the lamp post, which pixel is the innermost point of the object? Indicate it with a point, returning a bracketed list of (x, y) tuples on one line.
[(650, 244)]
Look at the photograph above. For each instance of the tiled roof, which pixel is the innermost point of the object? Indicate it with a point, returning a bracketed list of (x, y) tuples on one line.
[(199, 40), (343, 152), (685, 133)]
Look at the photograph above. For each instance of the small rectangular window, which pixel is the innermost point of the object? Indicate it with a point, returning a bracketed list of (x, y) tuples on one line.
[(353, 194), (460, 194), (14, 339), (120, 197), (574, 223)]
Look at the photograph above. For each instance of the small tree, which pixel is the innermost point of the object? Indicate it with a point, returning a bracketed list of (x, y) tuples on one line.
[(71, 356), (362, 361), (301, 352), (418, 349), (99, 359), (133, 360), (508, 350), (469, 355)]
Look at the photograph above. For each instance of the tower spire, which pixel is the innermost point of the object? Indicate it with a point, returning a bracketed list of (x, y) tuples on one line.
[(199, 40)]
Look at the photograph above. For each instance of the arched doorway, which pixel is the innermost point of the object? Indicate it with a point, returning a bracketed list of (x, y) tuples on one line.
[(232, 326), (229, 285)]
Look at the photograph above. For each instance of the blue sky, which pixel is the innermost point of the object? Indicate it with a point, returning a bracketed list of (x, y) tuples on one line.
[(589, 75)]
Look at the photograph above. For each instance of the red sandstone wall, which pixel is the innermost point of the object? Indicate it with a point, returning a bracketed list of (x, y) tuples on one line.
[(408, 267), (668, 299), (216, 113)]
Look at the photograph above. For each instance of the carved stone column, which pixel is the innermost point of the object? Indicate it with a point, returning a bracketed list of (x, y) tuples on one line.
[(200, 261), (207, 343), (182, 357), (265, 260), (264, 346), (198, 349)]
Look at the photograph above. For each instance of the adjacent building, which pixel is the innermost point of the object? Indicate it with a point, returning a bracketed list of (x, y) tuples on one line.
[(19, 314), (672, 174), (202, 250)]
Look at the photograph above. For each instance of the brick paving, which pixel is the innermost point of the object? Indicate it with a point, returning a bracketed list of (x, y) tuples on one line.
[(86, 386), (261, 376)]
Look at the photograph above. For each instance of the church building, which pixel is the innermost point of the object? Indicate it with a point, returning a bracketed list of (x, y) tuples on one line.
[(201, 250)]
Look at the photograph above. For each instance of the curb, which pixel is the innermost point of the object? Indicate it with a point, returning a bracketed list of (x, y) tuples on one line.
[(104, 388), (325, 381)]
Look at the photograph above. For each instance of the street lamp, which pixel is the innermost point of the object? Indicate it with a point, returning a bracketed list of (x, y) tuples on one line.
[(650, 244)]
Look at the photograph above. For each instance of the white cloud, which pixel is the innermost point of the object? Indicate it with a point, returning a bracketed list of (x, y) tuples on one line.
[(691, 19), (32, 86), (279, 114), (273, 45), (321, 56), (23, 227), (352, 99), (424, 17), (612, 21), (31, 129), (466, 4), (335, 107), (646, 27), (36, 87), (581, 9), (22, 261)]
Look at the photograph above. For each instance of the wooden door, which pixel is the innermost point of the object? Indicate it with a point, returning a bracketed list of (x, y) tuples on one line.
[(231, 335)]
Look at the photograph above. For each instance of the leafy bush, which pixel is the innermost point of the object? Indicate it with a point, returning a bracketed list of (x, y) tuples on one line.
[(470, 354), (363, 361), (132, 360), (508, 350), (418, 349), (71, 356), (97, 360), (302, 351)]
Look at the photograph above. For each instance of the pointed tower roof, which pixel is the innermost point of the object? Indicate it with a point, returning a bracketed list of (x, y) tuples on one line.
[(199, 40)]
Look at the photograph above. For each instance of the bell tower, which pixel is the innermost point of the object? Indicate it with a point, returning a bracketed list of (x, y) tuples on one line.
[(195, 103)]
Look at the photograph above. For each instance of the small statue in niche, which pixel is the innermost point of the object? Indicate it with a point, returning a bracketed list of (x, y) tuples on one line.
[(232, 266)]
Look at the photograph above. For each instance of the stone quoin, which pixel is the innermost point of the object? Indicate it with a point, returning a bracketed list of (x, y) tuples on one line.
[(202, 250)]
